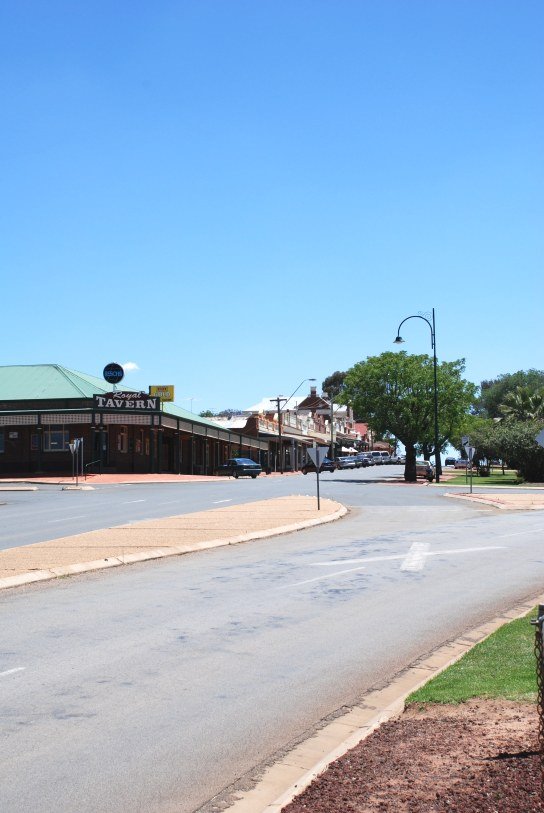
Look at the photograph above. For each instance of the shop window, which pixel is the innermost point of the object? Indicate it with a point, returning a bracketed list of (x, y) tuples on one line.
[(55, 438), (122, 439), (2, 447), (139, 442), (147, 446)]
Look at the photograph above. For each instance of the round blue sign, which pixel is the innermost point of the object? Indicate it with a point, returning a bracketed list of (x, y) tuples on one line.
[(113, 373)]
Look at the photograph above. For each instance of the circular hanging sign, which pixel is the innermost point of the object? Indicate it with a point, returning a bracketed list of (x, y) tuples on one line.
[(113, 373)]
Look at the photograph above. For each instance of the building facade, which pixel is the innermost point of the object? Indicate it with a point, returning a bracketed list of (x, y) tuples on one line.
[(45, 407)]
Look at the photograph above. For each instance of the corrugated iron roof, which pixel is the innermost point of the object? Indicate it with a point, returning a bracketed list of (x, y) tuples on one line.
[(34, 382), (44, 381)]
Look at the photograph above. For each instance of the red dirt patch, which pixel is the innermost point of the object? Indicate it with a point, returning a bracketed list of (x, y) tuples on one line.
[(476, 757)]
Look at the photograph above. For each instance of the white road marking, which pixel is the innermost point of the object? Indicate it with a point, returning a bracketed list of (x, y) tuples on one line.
[(326, 576), (415, 559), (421, 554), (128, 502), (521, 533), (216, 502), (403, 556), (65, 519), (11, 671)]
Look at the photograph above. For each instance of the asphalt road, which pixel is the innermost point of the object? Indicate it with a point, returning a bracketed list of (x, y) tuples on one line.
[(50, 512), (156, 687)]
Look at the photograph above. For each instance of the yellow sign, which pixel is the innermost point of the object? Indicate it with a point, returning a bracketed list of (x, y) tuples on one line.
[(164, 392)]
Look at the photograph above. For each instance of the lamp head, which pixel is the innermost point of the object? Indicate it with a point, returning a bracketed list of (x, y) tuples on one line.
[(399, 340)]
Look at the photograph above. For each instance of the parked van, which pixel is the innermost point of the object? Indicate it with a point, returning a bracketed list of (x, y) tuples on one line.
[(377, 458), (386, 457)]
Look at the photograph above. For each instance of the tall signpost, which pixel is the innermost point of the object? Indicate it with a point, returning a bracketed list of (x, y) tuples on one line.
[(317, 456)]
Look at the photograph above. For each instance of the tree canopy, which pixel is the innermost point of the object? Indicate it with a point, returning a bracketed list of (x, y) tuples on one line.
[(494, 391), (334, 384), (395, 393)]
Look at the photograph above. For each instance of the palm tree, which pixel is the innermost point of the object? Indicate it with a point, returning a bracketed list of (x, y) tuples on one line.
[(523, 404)]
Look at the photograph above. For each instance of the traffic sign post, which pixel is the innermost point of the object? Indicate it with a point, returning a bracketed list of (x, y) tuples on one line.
[(74, 448), (317, 455), (470, 453)]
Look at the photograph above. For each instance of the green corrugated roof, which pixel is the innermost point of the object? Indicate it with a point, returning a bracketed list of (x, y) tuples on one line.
[(45, 381), (49, 381)]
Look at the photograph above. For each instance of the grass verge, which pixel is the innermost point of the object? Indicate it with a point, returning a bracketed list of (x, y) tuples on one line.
[(509, 478), (501, 666)]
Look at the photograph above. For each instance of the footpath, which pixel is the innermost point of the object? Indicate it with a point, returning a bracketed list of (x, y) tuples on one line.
[(280, 784)]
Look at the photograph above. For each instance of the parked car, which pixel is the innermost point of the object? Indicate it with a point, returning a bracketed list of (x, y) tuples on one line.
[(377, 458), (368, 456), (386, 458), (424, 468), (397, 459), (361, 460), (309, 465), (239, 467), (450, 461), (461, 464), (345, 462)]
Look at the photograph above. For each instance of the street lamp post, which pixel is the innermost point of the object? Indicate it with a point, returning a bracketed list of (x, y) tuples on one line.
[(277, 401), (400, 340)]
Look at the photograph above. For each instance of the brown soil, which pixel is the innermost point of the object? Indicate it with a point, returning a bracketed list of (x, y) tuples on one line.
[(476, 757)]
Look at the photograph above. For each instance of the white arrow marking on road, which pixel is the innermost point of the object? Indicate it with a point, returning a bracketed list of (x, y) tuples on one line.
[(415, 559), (402, 556), (11, 671)]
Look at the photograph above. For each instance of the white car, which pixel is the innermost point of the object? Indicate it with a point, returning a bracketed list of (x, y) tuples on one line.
[(461, 464), (345, 463)]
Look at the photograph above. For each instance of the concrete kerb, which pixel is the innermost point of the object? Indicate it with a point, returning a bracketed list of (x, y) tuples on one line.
[(293, 773), (60, 571)]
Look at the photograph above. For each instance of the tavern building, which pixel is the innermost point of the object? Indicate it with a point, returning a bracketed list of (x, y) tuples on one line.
[(44, 407)]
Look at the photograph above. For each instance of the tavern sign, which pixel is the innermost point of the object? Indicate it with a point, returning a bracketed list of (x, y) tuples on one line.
[(122, 401)]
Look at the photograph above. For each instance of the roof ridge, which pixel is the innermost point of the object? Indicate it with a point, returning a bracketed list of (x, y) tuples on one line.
[(64, 371)]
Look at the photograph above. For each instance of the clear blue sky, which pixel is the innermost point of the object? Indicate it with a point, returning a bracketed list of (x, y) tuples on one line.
[(235, 196)]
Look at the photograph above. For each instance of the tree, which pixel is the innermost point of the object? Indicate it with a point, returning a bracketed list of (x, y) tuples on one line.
[(206, 413), (523, 404), (395, 393), (514, 442), (494, 391), (334, 384)]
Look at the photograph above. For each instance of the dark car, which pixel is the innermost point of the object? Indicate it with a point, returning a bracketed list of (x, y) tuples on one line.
[(309, 465), (361, 460), (450, 461), (240, 467)]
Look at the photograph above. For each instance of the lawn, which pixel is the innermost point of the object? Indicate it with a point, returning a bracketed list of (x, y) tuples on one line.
[(509, 478), (503, 666)]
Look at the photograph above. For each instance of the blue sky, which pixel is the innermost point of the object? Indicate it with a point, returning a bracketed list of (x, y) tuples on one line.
[(235, 196)]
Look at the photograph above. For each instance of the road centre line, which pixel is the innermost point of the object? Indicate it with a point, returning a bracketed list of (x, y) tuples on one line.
[(65, 519), (128, 502), (216, 502), (12, 671)]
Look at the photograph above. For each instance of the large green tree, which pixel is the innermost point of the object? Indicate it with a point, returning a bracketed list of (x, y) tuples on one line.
[(494, 391), (395, 393)]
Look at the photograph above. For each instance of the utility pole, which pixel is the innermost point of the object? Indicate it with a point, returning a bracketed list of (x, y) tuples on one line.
[(280, 450)]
